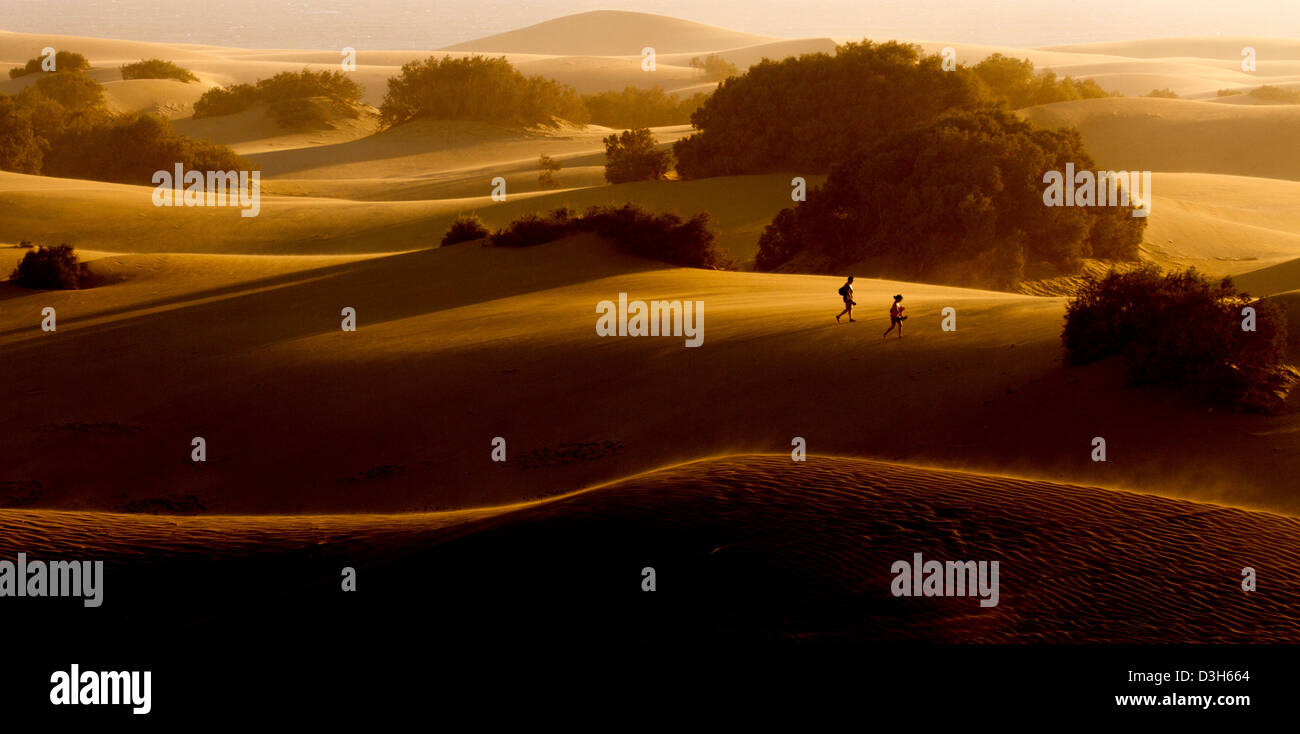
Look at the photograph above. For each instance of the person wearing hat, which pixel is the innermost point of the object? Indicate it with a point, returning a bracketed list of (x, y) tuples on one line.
[(896, 317)]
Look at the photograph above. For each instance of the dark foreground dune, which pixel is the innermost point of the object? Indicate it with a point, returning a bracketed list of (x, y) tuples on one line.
[(752, 548)]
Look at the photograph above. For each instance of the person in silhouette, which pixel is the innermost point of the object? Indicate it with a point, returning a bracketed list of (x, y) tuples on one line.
[(896, 317), (846, 292)]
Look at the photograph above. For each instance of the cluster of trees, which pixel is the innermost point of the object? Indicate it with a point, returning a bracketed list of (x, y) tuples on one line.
[(1015, 82), (293, 99), (665, 237), (956, 200), (60, 126), (63, 61), (157, 69), (477, 88), (806, 113), (632, 155), (1180, 328), (635, 107)]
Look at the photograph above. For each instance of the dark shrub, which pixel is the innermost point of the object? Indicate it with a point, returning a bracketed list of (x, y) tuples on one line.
[(131, 148), (50, 268), (465, 228), (959, 200), (1165, 93), (530, 229), (477, 88), (157, 69), (226, 100), (73, 91), (806, 114), (21, 149), (1180, 328), (63, 61), (664, 237), (632, 156)]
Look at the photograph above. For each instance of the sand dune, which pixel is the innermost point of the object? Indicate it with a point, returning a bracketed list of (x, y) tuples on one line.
[(461, 344), (744, 548), (1182, 135), (612, 33)]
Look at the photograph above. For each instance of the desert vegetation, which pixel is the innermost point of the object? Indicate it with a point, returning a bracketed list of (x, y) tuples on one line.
[(713, 67), (1275, 95), (665, 237), (632, 155), (636, 107), (477, 88), (157, 69), (293, 99), (64, 61), (60, 126), (959, 200), (50, 268), (1015, 82), (1180, 328), (464, 228)]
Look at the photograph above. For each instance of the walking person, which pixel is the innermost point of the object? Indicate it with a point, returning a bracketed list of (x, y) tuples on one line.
[(896, 317), (846, 292)]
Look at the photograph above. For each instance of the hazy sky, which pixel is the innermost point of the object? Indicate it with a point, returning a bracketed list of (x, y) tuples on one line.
[(424, 24)]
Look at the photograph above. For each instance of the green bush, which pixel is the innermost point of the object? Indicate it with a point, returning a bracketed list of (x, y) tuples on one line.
[(50, 268), (465, 228), (73, 91), (1165, 93), (294, 99), (63, 61), (1015, 82), (632, 156), (1180, 329), (477, 88), (157, 69)]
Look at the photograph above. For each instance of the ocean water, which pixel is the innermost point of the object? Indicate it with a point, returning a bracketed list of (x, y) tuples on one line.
[(429, 24)]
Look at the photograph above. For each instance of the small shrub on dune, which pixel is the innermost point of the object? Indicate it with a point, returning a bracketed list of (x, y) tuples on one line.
[(477, 88), (665, 237), (294, 98), (632, 156), (465, 228), (1276, 95), (531, 229), (63, 61), (157, 69), (50, 268), (1165, 93), (1181, 329)]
